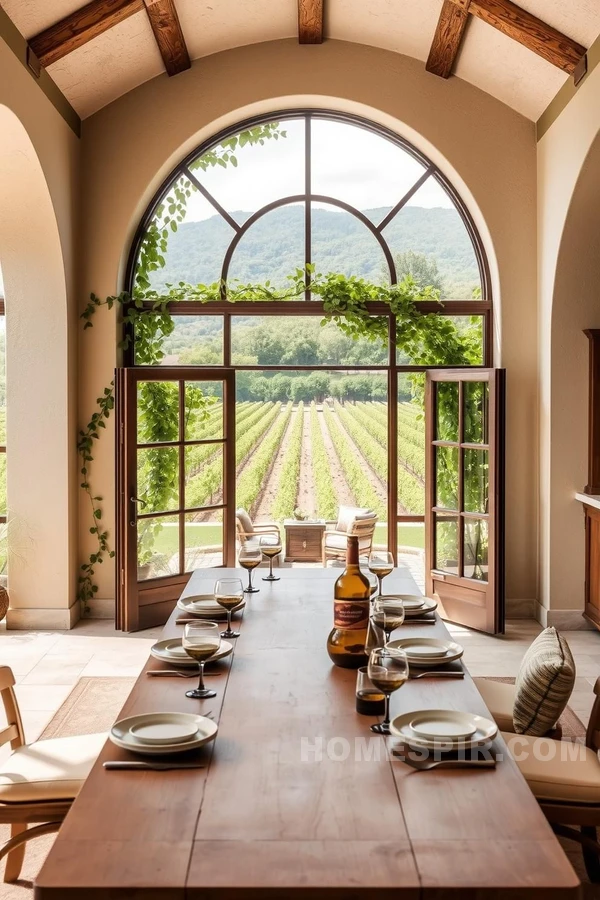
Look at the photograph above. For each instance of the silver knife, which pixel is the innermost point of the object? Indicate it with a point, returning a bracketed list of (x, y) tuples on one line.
[(159, 766)]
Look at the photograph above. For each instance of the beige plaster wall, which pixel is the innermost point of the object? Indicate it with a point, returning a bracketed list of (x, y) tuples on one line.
[(569, 301), (38, 197), (486, 149)]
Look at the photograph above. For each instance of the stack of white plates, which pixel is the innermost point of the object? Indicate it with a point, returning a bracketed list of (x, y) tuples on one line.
[(153, 734), (431, 728), (414, 604), (171, 651), (204, 606), (427, 652)]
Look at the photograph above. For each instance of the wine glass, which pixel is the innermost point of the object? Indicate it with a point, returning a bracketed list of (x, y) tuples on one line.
[(388, 670), (364, 568), (201, 640), (381, 564), (271, 547), (229, 593), (375, 636), (388, 614), (250, 556)]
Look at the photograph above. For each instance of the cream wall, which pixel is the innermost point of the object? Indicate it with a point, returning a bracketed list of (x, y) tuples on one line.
[(486, 149), (39, 192), (569, 301)]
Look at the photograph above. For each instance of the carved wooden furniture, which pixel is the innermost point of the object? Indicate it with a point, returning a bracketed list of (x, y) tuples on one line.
[(303, 540)]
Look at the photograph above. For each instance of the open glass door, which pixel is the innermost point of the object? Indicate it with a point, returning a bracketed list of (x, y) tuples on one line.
[(175, 485), (464, 513)]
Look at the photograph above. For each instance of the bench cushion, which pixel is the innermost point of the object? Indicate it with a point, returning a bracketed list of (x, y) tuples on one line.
[(499, 699), (561, 771)]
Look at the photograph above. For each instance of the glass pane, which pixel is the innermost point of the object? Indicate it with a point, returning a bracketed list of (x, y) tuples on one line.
[(446, 410), (264, 172), (158, 479), (360, 167), (411, 550), (475, 394), (446, 472), (196, 249), (194, 341), (476, 548), (341, 243), (301, 341), (203, 540), (411, 442), (446, 544), (203, 475), (203, 410), (271, 249), (157, 412), (2, 488), (476, 480), (2, 375), (157, 547), (453, 341), (429, 241)]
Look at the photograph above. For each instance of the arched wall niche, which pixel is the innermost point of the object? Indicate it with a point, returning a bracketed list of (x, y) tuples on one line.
[(575, 306), (130, 147), (37, 361)]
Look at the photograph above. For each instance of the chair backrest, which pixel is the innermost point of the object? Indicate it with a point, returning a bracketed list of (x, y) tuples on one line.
[(13, 731), (592, 735), (244, 524), (354, 519)]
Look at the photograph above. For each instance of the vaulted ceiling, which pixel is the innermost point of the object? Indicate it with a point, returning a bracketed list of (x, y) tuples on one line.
[(493, 44)]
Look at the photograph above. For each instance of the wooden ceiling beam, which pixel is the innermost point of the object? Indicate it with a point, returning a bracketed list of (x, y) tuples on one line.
[(310, 21), (80, 27), (530, 31), (168, 34), (448, 37)]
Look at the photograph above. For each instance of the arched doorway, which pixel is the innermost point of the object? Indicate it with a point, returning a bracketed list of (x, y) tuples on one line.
[(39, 491)]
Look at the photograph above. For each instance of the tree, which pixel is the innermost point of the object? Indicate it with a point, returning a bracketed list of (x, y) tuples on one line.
[(423, 268)]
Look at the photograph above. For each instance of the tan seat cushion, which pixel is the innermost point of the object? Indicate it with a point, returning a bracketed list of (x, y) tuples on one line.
[(544, 684), (499, 699), (49, 770), (244, 520), (557, 770)]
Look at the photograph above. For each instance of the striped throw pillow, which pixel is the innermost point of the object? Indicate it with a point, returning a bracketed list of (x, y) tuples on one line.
[(544, 684)]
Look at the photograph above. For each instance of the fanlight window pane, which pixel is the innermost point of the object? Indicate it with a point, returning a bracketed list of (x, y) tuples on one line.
[(196, 249), (271, 249), (341, 243), (194, 341), (429, 241), (264, 172), (360, 167)]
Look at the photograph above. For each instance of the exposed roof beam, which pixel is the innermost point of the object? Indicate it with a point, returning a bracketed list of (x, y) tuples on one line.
[(448, 36), (310, 21), (169, 36), (80, 27), (530, 31)]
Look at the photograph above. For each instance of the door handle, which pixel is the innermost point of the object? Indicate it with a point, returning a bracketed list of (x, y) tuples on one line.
[(135, 501)]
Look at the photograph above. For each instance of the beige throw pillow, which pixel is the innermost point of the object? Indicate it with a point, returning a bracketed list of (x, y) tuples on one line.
[(544, 684)]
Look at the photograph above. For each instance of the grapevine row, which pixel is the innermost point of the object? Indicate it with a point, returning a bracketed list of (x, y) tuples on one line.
[(355, 475), (197, 457), (326, 497), (410, 456), (287, 489), (251, 481)]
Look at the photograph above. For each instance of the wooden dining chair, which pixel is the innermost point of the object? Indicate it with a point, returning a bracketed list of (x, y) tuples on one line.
[(38, 781), (567, 786)]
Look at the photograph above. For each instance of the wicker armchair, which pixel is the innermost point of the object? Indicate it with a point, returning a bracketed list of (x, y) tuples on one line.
[(351, 521)]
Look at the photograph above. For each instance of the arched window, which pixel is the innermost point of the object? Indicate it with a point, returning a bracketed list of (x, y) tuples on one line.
[(343, 195)]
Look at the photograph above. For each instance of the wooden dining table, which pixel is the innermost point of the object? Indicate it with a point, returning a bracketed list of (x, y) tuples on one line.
[(298, 799)]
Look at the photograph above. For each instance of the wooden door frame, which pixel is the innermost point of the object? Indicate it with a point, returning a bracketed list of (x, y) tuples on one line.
[(161, 593), (496, 588)]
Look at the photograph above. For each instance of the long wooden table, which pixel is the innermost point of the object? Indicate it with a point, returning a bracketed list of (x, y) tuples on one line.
[(288, 806)]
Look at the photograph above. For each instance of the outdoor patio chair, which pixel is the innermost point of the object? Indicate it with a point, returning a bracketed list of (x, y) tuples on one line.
[(251, 532), (38, 781), (351, 521)]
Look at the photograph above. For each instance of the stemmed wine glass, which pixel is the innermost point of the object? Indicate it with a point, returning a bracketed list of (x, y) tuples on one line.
[(201, 640), (363, 562), (250, 556), (388, 670), (381, 564), (229, 593), (271, 547), (388, 614)]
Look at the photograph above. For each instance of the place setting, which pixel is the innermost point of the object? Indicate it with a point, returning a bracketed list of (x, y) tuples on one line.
[(429, 657), (161, 735)]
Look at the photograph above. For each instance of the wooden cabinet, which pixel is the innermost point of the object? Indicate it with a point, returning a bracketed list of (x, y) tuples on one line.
[(590, 497), (592, 564), (303, 541)]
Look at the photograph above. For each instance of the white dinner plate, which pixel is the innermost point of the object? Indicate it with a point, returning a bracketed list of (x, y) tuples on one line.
[(121, 734), (204, 606), (409, 601), (428, 606), (165, 728), (445, 724), (424, 652), (171, 651), (400, 727)]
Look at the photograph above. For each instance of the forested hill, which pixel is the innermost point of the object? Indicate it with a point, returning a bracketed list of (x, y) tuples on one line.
[(274, 246)]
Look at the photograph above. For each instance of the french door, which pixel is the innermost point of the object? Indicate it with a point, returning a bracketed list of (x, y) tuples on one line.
[(175, 484), (464, 485)]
